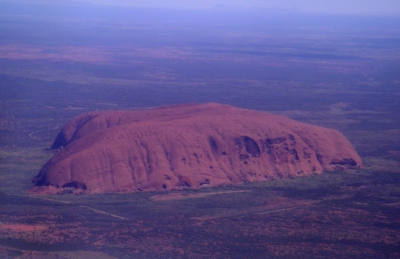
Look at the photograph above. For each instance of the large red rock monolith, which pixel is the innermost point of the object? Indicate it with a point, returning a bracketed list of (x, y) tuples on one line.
[(189, 146)]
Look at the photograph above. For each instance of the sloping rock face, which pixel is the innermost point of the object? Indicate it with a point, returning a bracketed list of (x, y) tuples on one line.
[(191, 145)]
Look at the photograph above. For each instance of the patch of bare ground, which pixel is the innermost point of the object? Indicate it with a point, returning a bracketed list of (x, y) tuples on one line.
[(47, 233), (181, 196), (394, 153), (22, 227), (8, 252)]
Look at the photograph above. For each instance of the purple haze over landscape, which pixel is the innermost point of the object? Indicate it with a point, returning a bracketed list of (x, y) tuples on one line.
[(357, 7), (333, 64)]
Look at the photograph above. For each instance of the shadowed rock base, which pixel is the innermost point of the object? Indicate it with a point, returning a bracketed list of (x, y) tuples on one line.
[(189, 146)]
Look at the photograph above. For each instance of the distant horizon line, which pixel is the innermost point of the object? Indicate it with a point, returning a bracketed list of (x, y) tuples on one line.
[(214, 8)]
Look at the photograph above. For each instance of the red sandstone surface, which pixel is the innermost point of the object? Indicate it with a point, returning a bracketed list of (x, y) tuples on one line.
[(189, 146)]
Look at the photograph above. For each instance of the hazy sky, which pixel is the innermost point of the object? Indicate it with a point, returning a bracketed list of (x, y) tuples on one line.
[(336, 6), (320, 6)]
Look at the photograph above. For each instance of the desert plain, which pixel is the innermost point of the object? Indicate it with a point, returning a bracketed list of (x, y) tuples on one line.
[(336, 72)]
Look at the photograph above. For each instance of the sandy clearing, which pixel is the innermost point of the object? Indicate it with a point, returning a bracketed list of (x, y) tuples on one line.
[(22, 227)]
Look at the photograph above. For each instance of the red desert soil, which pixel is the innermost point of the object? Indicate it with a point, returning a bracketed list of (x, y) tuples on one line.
[(22, 227), (189, 146)]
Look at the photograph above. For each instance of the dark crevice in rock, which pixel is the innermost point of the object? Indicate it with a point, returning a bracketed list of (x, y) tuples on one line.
[(206, 181), (75, 184), (346, 161), (296, 155), (251, 146), (213, 144)]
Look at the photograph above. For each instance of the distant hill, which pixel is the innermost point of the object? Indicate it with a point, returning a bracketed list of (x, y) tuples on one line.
[(189, 146)]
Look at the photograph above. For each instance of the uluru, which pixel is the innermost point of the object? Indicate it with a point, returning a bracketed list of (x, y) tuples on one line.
[(188, 146)]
